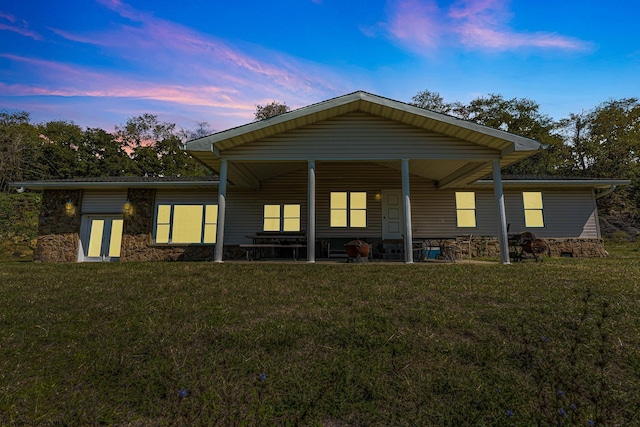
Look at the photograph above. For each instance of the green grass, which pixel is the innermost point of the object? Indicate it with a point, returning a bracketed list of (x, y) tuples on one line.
[(146, 344)]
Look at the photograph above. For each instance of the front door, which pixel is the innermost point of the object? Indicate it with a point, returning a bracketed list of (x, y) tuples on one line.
[(103, 238), (392, 217)]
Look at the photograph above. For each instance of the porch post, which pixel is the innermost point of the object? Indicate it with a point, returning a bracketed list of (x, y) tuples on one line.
[(222, 206), (502, 216), (406, 205), (311, 212)]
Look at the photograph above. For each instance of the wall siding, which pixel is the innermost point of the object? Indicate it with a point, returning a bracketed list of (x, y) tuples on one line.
[(103, 202), (568, 213), (359, 136)]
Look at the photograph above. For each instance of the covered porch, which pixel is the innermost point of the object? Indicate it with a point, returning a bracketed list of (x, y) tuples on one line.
[(357, 166)]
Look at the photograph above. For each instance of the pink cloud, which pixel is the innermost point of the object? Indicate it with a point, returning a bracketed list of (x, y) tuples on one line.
[(9, 18), (181, 45), (417, 21), (476, 24), (20, 30)]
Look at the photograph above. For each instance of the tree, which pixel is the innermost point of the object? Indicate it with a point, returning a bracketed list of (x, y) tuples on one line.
[(519, 116), (19, 149), (270, 110), (156, 148), (606, 144), (431, 101)]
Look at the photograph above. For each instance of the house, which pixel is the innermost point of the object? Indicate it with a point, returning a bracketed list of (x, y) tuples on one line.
[(356, 166)]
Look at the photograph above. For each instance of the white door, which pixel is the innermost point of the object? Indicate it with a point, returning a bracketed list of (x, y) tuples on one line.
[(103, 238), (392, 217)]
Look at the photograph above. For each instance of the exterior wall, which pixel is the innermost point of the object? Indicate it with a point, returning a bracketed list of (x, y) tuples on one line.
[(58, 229), (360, 136), (570, 215), (137, 243), (567, 213)]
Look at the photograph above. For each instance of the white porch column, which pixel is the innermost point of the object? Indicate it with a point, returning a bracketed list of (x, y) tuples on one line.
[(502, 216), (311, 212), (406, 205), (222, 207)]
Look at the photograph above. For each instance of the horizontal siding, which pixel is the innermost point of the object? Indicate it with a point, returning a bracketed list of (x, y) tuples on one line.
[(567, 213), (187, 197), (103, 202), (359, 136)]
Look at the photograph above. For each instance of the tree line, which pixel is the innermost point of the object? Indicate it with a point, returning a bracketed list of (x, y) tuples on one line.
[(602, 142)]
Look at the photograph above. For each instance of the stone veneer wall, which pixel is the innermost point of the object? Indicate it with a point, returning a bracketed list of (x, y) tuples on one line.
[(137, 243), (58, 229), (569, 247)]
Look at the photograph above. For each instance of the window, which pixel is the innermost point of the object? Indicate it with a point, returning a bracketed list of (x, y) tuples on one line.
[(348, 209), (466, 208), (288, 221), (532, 202), (186, 224)]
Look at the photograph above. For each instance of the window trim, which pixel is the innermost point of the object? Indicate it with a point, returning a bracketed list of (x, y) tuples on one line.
[(530, 209), (350, 212), (282, 217), (206, 224), (459, 209)]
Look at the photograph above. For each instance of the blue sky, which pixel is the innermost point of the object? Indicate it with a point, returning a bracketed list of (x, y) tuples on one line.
[(99, 62)]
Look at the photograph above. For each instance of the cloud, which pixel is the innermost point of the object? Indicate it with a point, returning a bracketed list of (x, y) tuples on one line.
[(22, 30), (474, 24), (149, 63), (176, 46), (76, 81), (417, 21), (8, 17)]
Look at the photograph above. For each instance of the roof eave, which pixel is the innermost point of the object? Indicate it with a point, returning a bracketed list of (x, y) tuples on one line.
[(56, 185), (589, 183), (355, 101)]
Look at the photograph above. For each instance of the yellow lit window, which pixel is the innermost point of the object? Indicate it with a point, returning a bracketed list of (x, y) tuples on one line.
[(348, 209), (163, 223), (115, 242), (271, 218), (281, 218), (95, 238), (291, 220), (210, 223), (186, 224), (466, 208), (532, 201)]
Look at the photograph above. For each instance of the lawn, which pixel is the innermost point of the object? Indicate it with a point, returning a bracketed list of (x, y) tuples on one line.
[(551, 343)]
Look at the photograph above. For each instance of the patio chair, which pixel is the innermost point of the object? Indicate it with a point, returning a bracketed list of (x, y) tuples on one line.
[(465, 240)]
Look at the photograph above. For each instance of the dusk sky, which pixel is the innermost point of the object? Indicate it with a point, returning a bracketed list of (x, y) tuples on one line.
[(99, 62)]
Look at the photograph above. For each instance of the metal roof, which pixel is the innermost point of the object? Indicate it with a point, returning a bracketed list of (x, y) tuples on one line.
[(121, 182), (564, 182)]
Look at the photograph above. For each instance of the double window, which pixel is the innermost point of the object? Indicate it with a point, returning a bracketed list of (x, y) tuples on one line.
[(186, 224), (281, 218), (532, 201), (466, 208), (348, 209)]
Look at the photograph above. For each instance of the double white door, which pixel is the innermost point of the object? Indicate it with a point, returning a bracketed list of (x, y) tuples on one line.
[(103, 238)]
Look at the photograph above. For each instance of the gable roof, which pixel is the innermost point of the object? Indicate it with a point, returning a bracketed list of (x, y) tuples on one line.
[(510, 148)]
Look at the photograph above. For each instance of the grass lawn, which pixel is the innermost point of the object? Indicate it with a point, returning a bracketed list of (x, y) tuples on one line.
[(551, 343)]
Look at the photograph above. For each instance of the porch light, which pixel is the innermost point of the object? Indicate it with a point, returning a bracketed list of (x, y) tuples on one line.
[(128, 207), (69, 208)]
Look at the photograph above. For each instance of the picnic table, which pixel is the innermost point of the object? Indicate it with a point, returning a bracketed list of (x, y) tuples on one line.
[(272, 241)]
